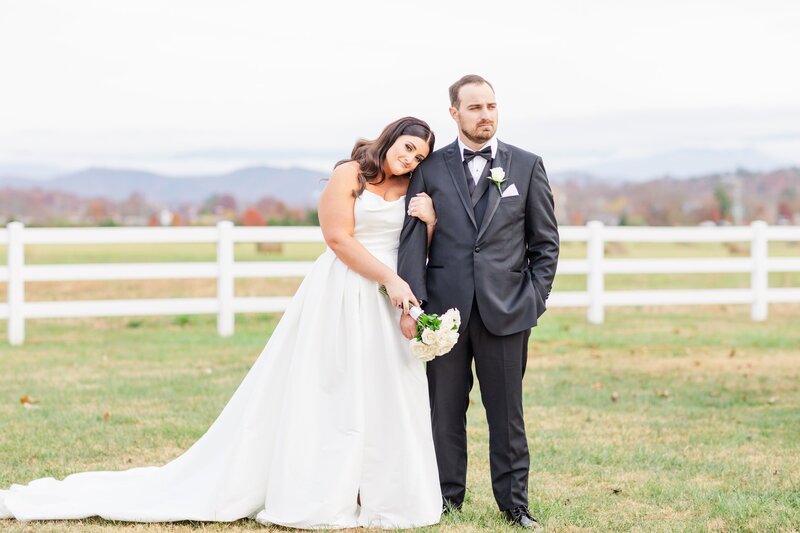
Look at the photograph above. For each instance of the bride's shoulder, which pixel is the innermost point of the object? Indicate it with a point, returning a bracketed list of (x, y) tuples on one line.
[(343, 181), (347, 172)]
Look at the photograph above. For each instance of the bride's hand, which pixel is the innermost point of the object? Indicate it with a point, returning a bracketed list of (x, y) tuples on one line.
[(400, 294), (421, 206)]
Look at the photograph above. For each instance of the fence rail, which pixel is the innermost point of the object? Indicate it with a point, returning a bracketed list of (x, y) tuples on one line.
[(225, 270)]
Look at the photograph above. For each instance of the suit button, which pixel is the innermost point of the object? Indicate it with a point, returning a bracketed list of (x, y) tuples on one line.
[(477, 249)]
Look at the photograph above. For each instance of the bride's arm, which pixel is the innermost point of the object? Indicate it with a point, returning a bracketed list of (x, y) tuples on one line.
[(338, 222)]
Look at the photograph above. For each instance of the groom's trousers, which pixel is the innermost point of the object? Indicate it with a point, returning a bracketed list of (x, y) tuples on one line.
[(500, 366)]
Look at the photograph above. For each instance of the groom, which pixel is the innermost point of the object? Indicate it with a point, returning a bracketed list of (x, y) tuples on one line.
[(493, 256)]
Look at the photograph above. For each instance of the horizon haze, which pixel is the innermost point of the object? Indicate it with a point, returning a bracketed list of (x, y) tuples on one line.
[(199, 87)]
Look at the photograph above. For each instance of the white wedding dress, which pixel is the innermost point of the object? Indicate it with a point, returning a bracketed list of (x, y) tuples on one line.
[(334, 411)]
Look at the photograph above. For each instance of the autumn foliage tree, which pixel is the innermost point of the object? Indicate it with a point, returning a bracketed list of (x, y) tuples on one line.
[(251, 217)]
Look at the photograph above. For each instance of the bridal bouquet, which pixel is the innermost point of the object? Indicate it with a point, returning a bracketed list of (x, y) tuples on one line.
[(436, 335)]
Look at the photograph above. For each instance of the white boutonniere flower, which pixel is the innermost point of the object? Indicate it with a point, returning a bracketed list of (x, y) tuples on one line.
[(497, 176)]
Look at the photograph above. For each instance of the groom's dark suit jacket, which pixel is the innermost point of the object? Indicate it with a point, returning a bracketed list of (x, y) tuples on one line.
[(501, 251)]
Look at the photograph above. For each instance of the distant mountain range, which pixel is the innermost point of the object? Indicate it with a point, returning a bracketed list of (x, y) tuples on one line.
[(284, 196), (300, 187), (295, 186), (685, 163)]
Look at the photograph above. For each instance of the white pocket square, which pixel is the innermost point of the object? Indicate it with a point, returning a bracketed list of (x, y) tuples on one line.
[(510, 191)]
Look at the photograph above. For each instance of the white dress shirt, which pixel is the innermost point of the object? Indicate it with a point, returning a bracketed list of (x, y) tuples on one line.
[(478, 163)]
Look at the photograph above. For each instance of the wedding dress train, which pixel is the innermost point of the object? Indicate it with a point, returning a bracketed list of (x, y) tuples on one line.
[(333, 412)]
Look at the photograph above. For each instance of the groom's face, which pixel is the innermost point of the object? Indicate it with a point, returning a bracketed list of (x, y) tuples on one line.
[(476, 114)]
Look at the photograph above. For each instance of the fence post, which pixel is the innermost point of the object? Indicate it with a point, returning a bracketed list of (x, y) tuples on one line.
[(595, 282), (225, 315), (759, 279), (16, 284)]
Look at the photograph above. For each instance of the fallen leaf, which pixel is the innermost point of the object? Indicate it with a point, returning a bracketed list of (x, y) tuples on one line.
[(616, 491), (697, 363), (772, 400), (614, 396), (106, 416), (733, 352), (662, 393), (27, 400), (597, 386), (775, 473)]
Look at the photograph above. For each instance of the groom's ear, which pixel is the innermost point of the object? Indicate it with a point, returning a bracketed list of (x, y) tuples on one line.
[(454, 113)]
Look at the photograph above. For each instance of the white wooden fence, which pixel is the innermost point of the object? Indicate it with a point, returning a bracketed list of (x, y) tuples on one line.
[(225, 270)]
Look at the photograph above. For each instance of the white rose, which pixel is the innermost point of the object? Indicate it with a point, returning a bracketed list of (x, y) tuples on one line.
[(454, 315), (498, 174), (428, 337), (446, 342), (447, 322), (452, 337), (441, 338), (422, 351), (417, 348)]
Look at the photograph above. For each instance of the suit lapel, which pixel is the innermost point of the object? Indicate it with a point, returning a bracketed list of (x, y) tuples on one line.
[(503, 160), (456, 168)]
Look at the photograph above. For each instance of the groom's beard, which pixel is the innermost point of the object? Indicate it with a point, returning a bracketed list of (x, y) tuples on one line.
[(477, 135)]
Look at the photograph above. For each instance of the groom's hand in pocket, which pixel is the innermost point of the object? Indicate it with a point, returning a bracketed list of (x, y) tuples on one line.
[(408, 326)]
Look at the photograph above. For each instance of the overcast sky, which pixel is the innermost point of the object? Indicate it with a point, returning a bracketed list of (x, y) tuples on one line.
[(136, 82)]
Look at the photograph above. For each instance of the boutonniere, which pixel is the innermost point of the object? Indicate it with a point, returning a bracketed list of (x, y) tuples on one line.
[(497, 177)]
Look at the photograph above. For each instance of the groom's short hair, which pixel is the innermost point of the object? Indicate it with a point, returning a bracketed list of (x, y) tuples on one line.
[(465, 80)]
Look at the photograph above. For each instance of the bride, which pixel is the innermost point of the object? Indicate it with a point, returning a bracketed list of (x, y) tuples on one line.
[(331, 426)]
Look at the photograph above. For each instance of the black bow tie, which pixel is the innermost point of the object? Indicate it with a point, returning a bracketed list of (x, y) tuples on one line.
[(485, 152)]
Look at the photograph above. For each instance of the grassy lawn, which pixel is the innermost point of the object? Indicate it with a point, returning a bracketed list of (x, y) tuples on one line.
[(672, 419), (145, 253), (661, 419)]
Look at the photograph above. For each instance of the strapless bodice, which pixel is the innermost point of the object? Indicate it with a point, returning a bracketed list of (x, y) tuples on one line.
[(378, 222)]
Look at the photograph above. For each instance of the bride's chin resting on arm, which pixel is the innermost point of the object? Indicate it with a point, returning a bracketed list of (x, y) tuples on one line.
[(338, 222)]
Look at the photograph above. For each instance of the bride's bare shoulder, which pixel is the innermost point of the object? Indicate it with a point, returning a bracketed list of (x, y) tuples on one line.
[(343, 181), (346, 171), (345, 175)]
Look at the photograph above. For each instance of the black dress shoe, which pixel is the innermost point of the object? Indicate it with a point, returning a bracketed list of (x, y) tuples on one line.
[(449, 507), (521, 516)]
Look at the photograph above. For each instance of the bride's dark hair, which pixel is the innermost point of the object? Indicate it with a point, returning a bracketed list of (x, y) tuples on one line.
[(370, 154)]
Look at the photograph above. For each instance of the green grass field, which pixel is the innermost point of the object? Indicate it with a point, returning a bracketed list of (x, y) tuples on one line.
[(661, 419), (658, 420)]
